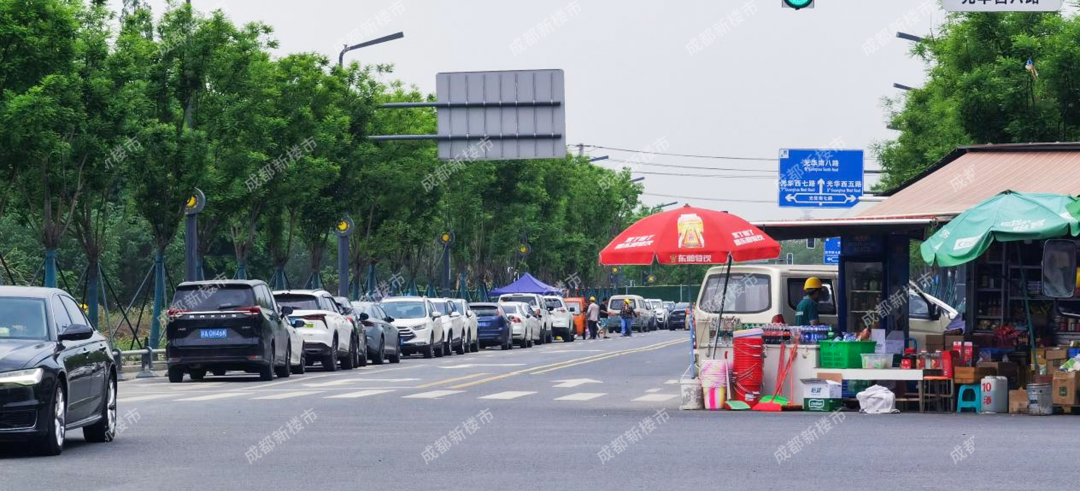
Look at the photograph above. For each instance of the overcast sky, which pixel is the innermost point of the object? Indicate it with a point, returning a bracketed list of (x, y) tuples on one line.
[(766, 78)]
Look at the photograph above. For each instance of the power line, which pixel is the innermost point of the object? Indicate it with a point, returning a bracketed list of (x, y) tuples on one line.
[(693, 156), (693, 198), (724, 169)]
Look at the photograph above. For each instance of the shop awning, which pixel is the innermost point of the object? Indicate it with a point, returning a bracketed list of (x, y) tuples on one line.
[(970, 175), (835, 227)]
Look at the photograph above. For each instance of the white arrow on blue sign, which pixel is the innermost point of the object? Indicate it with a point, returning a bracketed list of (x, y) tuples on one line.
[(820, 178), (832, 250)]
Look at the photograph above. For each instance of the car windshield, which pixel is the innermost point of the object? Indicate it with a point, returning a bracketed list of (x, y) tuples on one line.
[(363, 308), (23, 318), (209, 297), (528, 300), (442, 308), (682, 306), (656, 305), (553, 303), (408, 309), (574, 307), (746, 294), (298, 302), (510, 308), (485, 310)]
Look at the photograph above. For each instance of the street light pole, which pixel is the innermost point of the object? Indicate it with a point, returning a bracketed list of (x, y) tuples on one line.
[(347, 48)]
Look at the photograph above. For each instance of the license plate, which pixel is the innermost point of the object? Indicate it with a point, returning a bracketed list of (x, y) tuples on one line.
[(309, 325), (484, 324), (213, 333)]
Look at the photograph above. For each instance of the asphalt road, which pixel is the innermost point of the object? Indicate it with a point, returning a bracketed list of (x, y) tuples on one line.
[(566, 416)]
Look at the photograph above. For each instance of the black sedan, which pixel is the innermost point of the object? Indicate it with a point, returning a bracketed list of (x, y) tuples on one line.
[(677, 317), (56, 372)]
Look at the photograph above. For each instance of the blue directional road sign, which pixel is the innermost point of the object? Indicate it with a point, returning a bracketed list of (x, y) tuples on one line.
[(820, 178), (832, 250)]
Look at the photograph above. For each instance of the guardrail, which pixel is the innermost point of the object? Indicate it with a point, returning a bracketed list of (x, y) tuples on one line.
[(147, 359)]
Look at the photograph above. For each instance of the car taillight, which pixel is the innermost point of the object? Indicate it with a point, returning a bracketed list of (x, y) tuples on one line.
[(515, 319), (778, 319), (175, 313), (251, 310), (316, 317), (367, 323)]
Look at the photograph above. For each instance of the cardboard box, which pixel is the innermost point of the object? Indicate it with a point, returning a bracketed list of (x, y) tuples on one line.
[(939, 342), (971, 375), (1008, 370), (816, 388), (1057, 354), (893, 343), (1067, 388), (1018, 401)]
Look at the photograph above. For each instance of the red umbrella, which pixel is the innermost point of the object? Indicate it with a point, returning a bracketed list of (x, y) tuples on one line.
[(689, 235)]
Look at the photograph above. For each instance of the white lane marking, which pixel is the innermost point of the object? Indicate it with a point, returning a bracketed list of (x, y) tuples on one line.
[(575, 382), (653, 391), (581, 396), (560, 351), (672, 382), (144, 398), (435, 394), (474, 365), (192, 386), (506, 396), (656, 398), (211, 397), (287, 395), (360, 380), (362, 393)]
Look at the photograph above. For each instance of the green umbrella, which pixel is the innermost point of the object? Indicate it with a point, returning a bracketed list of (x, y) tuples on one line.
[(1006, 217)]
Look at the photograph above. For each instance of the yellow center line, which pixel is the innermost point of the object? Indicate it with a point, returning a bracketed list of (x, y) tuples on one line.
[(449, 380), (564, 364)]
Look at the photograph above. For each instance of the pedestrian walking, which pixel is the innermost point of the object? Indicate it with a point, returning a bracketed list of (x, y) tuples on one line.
[(592, 317), (626, 317), (604, 314)]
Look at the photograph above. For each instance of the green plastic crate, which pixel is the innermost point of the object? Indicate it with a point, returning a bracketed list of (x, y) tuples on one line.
[(817, 404), (844, 354)]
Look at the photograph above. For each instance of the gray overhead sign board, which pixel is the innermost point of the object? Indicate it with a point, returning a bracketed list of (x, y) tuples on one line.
[(1002, 5), (501, 115)]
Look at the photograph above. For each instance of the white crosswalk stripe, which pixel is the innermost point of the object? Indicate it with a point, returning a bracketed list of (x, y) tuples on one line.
[(287, 395), (656, 398), (506, 396), (581, 396), (211, 397), (653, 391), (435, 394), (362, 393), (145, 398), (195, 386)]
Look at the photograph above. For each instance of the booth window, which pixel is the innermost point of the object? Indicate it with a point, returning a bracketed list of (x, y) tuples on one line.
[(746, 294), (795, 294)]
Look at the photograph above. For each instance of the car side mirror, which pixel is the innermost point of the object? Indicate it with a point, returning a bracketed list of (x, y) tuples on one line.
[(77, 332), (1059, 273), (389, 319), (286, 310), (435, 315), (364, 316), (456, 314), (297, 323)]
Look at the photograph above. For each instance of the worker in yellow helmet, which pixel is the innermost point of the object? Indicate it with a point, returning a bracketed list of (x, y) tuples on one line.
[(806, 314)]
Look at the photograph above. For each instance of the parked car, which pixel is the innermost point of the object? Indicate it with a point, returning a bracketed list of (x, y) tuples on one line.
[(562, 320), (642, 323), (419, 325), (677, 317), (577, 306), (472, 340), (56, 372), (347, 309), (216, 326), (328, 335), (453, 325), (536, 304), (659, 313), (493, 328), (927, 315), (524, 324), (382, 337)]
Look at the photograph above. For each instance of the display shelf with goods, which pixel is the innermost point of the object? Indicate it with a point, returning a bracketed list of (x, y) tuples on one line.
[(865, 282), (990, 277)]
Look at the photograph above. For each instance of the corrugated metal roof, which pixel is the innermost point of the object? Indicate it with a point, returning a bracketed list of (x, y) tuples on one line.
[(976, 173)]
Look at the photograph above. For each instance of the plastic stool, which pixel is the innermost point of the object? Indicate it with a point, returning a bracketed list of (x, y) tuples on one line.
[(974, 403)]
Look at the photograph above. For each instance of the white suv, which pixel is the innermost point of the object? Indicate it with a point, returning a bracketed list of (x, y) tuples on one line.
[(328, 335), (472, 326), (453, 325), (538, 305), (420, 326), (562, 320)]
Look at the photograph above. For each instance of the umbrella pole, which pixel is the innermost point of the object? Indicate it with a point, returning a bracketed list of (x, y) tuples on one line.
[(723, 302), (1027, 309)]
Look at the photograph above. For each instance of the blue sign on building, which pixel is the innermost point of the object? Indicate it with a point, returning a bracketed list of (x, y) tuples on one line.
[(820, 178), (832, 250)]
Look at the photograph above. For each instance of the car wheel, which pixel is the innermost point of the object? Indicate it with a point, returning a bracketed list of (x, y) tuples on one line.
[(462, 345), (349, 361), (284, 371), (396, 357), (197, 374), (52, 442), (380, 356), (266, 373), (329, 362), (176, 375), (571, 336), (105, 429), (509, 344), (439, 348), (302, 367), (218, 373), (361, 356), (429, 351)]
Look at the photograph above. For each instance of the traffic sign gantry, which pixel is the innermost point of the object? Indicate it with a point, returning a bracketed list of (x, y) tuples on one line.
[(820, 178)]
